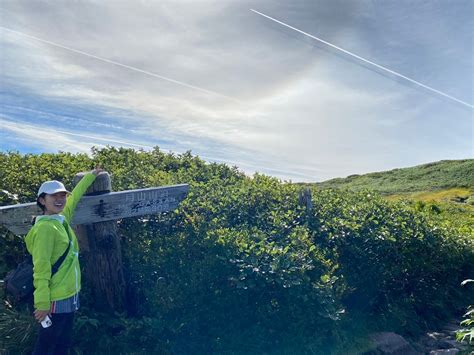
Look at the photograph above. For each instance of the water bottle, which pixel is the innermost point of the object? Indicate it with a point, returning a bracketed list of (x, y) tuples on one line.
[(46, 322)]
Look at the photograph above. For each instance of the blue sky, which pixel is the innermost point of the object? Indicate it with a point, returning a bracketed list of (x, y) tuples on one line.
[(232, 86)]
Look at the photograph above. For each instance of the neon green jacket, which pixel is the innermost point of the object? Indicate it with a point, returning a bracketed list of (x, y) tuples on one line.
[(46, 242)]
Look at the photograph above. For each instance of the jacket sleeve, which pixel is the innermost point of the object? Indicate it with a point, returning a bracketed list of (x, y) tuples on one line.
[(41, 253), (76, 195)]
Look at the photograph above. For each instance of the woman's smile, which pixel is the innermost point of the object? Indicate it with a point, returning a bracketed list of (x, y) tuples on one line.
[(54, 203)]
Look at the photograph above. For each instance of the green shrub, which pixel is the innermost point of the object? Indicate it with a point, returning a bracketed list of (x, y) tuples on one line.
[(466, 334), (241, 267)]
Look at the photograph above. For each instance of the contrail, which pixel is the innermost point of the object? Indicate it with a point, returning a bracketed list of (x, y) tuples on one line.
[(368, 61), (120, 64)]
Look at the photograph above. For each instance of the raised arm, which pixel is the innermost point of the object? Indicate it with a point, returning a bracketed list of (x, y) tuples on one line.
[(78, 192)]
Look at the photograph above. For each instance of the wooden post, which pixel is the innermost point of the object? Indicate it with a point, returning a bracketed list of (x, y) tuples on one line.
[(102, 255), (305, 200)]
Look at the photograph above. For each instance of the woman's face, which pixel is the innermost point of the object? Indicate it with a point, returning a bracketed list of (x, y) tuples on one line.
[(54, 203)]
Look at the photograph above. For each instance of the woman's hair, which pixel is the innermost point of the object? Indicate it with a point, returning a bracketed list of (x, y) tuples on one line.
[(38, 203), (43, 207)]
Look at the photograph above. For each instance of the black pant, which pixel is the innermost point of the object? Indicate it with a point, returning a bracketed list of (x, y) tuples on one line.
[(55, 339)]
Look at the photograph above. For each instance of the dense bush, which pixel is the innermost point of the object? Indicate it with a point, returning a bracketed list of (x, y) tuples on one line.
[(241, 267), (466, 334)]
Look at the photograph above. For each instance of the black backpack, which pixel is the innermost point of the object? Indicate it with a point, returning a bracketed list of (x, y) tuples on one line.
[(19, 282)]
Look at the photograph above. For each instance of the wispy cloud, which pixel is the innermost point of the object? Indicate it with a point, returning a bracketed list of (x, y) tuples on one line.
[(46, 138)]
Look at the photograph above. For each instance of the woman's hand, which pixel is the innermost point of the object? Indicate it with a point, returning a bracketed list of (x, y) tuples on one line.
[(40, 315)]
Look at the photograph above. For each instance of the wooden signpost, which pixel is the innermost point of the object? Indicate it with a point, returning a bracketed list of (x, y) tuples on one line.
[(95, 224), (100, 208)]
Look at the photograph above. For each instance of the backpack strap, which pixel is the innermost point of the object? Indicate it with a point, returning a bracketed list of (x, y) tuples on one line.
[(58, 263)]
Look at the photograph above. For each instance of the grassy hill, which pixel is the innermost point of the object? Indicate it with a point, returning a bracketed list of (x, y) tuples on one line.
[(439, 180), (444, 188)]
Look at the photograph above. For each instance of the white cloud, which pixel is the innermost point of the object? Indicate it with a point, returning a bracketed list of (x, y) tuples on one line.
[(45, 139), (59, 139)]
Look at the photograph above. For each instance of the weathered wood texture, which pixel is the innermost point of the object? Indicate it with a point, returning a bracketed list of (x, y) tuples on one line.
[(100, 208), (102, 259), (305, 200)]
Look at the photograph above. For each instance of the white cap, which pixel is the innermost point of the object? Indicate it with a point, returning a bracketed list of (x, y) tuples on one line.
[(51, 187)]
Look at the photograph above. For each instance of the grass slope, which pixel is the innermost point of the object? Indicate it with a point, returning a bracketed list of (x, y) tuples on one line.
[(449, 184), (454, 176)]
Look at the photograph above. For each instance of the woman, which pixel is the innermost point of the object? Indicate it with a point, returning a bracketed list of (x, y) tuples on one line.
[(56, 296)]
